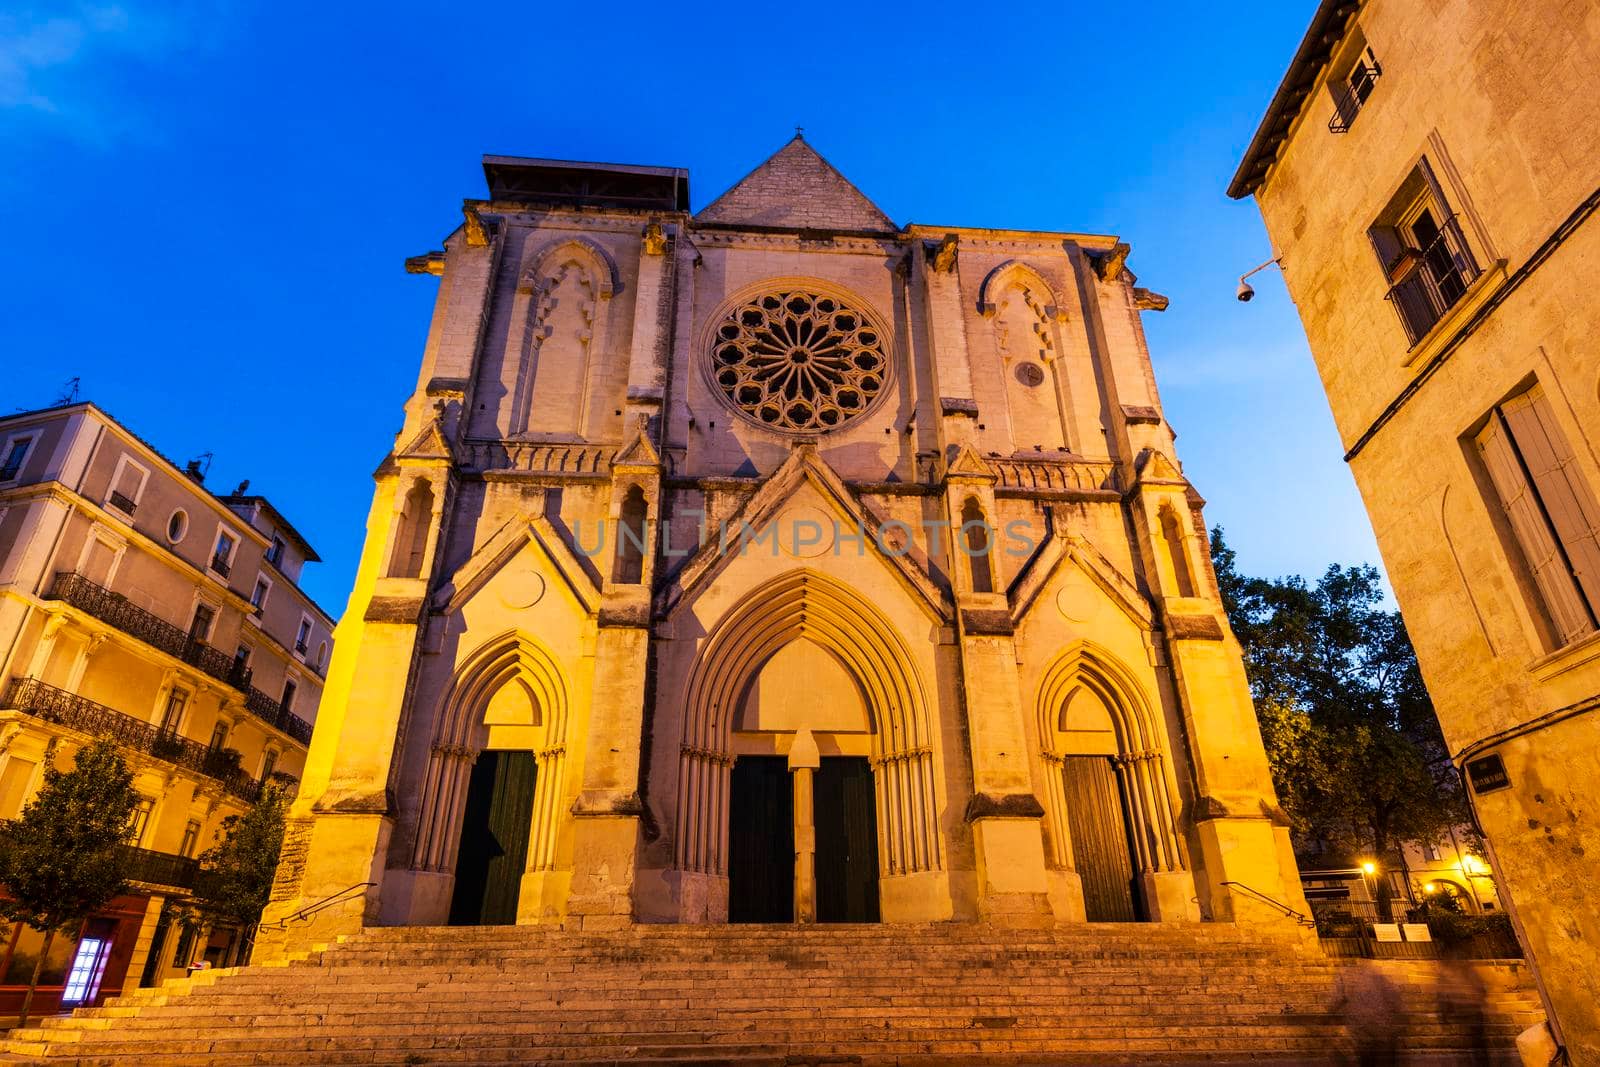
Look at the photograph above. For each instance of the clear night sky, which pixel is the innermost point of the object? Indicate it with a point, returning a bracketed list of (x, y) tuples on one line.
[(206, 205)]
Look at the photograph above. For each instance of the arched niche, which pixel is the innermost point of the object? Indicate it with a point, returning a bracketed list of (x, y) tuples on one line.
[(566, 289)]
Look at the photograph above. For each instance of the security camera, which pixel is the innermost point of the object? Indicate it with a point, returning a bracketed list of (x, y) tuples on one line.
[(1245, 292)]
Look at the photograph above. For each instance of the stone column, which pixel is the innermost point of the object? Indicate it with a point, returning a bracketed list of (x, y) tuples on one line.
[(803, 763)]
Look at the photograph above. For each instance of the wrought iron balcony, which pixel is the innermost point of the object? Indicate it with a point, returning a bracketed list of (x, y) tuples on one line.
[(1427, 282), (50, 704), (220, 565), (159, 868), (122, 503), (1347, 102), (119, 611), (275, 714)]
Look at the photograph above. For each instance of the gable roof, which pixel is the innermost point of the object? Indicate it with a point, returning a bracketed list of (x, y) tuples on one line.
[(799, 190)]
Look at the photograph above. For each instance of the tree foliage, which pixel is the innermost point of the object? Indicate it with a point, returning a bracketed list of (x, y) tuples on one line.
[(239, 867), (61, 860), (1356, 752)]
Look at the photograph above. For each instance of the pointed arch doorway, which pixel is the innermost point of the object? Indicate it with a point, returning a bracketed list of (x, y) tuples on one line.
[(1108, 801)]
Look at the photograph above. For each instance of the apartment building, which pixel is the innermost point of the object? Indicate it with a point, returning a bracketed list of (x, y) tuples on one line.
[(136, 604)]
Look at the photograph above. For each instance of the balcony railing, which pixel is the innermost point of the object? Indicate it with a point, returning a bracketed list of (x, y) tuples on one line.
[(1430, 281), (220, 565), (124, 504), (1347, 101), (84, 715), (119, 611), (159, 868), (275, 714)]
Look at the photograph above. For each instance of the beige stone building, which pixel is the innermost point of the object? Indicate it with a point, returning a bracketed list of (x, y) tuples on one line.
[(779, 562), (137, 605), (1429, 174)]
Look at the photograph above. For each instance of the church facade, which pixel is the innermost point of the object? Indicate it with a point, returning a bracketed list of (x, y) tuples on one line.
[(780, 563)]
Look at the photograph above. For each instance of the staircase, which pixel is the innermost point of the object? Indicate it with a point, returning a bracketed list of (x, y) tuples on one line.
[(942, 993)]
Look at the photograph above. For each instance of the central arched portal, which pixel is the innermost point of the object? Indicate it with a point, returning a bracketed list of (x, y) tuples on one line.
[(806, 776)]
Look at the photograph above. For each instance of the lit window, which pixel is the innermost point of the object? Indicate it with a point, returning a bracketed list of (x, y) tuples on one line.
[(88, 967)]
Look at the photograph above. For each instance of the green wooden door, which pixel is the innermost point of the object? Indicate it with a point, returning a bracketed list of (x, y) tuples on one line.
[(1101, 848), (846, 815), (761, 841), (494, 839)]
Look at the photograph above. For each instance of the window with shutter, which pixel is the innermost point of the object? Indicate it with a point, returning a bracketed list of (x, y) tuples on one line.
[(1551, 512)]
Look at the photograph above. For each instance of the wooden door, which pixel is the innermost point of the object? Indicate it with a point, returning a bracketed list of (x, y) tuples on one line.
[(1101, 846), (761, 841), (494, 839), (846, 817)]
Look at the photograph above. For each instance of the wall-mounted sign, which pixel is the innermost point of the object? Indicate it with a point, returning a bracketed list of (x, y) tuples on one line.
[(1487, 773)]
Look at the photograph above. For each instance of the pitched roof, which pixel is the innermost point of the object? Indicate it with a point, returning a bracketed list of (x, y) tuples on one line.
[(1328, 27), (797, 189)]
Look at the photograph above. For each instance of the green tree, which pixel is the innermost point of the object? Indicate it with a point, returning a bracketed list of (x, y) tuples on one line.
[(62, 858), (239, 867), (1356, 751)]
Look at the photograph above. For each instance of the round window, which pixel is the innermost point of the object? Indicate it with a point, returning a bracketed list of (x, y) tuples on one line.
[(1030, 374), (177, 525), (799, 360)]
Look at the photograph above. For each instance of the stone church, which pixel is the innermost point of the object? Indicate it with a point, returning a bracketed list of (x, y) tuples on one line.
[(778, 562)]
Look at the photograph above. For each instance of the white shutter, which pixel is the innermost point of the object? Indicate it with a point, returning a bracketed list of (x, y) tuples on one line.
[(1532, 531), (1562, 489)]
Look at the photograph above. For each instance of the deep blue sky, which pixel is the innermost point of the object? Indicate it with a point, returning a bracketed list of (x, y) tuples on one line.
[(206, 205)]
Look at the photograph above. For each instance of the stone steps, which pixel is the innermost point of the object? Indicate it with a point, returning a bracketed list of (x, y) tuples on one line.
[(756, 995)]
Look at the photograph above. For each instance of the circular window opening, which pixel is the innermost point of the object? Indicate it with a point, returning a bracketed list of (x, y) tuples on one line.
[(177, 526), (1030, 374), (799, 360)]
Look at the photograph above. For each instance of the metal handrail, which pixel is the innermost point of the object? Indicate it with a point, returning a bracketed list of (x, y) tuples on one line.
[(311, 909), (44, 701), (1299, 917)]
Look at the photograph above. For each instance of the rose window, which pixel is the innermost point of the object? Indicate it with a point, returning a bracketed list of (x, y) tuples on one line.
[(799, 361)]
